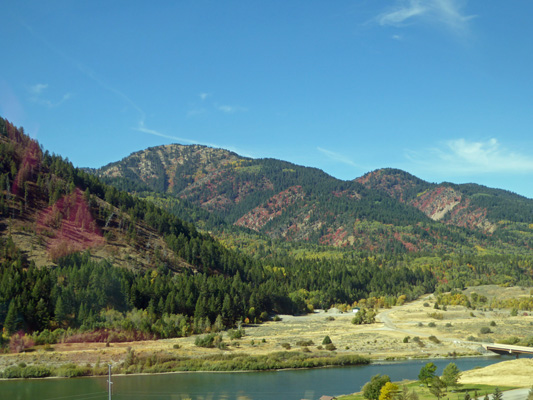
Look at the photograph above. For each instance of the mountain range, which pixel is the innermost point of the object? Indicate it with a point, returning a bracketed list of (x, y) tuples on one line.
[(206, 238), (384, 210)]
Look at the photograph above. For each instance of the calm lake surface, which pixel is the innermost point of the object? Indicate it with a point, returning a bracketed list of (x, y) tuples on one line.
[(285, 385)]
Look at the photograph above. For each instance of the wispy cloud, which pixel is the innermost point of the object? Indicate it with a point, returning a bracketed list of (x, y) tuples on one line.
[(337, 157), (230, 109), (142, 128), (195, 112), (445, 12), (37, 89), (37, 95), (461, 157)]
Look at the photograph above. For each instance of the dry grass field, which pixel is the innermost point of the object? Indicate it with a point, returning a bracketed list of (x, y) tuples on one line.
[(511, 373), (381, 340)]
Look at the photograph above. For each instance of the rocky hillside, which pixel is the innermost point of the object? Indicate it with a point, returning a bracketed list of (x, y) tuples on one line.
[(385, 210), (471, 206)]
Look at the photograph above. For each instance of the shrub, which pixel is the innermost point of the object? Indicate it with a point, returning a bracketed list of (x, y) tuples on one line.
[(222, 345), (492, 323), (485, 329), (12, 372), (286, 346), (448, 325), (20, 342), (208, 341), (510, 340), (236, 333), (326, 340), (406, 339), (305, 343), (364, 316), (72, 371), (426, 304), (432, 324), (36, 371), (436, 315), (528, 341), (434, 339), (330, 347), (276, 318)]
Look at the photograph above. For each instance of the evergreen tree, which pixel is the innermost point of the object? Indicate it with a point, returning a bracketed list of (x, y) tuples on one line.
[(11, 321), (60, 313), (42, 315), (436, 387), (451, 375), (427, 373)]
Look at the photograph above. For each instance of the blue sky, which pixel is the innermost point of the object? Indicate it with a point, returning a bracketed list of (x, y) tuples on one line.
[(440, 88)]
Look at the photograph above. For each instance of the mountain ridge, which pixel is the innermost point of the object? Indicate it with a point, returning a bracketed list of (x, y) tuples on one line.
[(296, 203)]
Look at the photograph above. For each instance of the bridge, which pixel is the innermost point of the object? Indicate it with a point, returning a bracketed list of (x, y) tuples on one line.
[(508, 349)]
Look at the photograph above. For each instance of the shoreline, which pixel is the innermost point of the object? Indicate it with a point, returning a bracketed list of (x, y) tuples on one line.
[(403, 333), (379, 361)]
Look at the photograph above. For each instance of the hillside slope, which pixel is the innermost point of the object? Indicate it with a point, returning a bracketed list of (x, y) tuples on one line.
[(385, 210), (468, 205)]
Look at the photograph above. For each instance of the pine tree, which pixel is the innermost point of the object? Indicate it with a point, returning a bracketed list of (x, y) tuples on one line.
[(41, 314), (60, 314), (497, 395), (10, 323), (451, 375)]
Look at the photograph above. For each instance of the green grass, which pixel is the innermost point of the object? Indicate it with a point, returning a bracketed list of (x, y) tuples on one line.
[(458, 394)]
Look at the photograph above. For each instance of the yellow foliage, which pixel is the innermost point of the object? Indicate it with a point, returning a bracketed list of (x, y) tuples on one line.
[(401, 300), (153, 275), (480, 249), (388, 391)]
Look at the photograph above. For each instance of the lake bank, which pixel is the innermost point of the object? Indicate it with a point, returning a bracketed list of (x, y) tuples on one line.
[(268, 385), (405, 332)]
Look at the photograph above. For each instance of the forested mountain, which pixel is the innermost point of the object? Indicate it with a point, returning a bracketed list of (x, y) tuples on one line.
[(81, 260), (468, 205), (386, 210)]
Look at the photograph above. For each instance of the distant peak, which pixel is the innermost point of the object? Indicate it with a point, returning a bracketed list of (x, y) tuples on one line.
[(395, 182)]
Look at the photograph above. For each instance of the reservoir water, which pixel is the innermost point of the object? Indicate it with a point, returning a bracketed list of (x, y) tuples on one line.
[(287, 385)]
